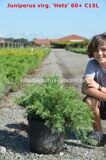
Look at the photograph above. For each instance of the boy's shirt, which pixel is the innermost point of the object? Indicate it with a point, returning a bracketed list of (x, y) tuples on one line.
[(94, 71)]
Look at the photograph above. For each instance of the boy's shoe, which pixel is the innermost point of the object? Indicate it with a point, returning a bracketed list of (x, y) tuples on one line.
[(95, 138)]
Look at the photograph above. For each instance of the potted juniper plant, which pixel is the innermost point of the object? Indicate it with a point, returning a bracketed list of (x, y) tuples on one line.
[(51, 107)]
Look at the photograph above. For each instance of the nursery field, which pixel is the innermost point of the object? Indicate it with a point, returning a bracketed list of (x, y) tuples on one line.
[(16, 63)]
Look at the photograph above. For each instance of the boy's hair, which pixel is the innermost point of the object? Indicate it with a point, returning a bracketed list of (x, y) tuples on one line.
[(96, 42)]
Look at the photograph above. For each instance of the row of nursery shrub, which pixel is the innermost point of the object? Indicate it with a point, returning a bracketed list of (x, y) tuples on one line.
[(78, 50), (59, 44), (16, 63), (81, 44), (78, 47)]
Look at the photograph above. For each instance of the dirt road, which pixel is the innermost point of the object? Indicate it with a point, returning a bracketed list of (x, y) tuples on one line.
[(68, 65), (72, 66)]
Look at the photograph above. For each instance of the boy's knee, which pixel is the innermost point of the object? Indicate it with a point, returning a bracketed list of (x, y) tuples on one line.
[(88, 100), (91, 101)]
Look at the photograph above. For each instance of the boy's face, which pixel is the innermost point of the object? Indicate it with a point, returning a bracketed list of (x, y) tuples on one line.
[(100, 54)]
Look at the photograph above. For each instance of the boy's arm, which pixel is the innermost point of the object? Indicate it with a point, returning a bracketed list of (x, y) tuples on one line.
[(90, 87)]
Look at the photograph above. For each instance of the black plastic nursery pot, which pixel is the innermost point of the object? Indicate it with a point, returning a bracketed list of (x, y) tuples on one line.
[(42, 140)]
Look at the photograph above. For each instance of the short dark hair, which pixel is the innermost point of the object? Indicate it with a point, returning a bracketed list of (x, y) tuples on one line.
[(95, 43)]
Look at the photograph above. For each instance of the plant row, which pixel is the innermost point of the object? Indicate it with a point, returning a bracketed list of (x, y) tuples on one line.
[(16, 63), (78, 50), (78, 47)]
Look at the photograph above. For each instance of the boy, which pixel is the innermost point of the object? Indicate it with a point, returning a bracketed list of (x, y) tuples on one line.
[(94, 84)]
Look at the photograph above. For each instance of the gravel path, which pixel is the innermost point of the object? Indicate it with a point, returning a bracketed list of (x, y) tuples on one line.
[(14, 141)]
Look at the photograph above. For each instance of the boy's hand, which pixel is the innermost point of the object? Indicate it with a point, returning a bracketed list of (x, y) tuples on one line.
[(90, 83)]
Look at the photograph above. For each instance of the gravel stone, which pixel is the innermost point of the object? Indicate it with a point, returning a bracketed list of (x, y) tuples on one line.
[(2, 150)]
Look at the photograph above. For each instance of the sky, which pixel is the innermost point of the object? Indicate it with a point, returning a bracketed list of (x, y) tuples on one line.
[(52, 22)]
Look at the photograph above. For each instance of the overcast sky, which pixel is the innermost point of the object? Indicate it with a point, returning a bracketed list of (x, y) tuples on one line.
[(52, 22)]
